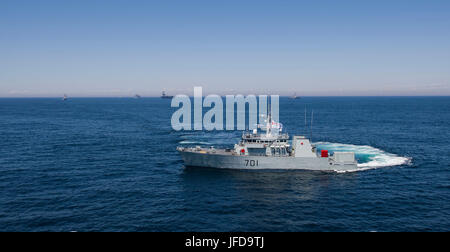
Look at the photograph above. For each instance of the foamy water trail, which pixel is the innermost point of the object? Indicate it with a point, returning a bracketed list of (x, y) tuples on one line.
[(368, 157)]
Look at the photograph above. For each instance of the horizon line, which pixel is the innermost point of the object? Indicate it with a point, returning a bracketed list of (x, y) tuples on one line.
[(191, 96)]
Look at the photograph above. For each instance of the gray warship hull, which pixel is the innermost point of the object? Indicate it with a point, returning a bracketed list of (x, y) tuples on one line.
[(224, 160)]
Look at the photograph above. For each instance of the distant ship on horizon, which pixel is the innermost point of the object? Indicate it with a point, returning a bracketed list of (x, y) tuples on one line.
[(164, 96), (137, 96), (294, 97), (65, 97)]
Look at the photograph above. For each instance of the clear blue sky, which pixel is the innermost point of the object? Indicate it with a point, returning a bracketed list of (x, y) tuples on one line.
[(119, 48)]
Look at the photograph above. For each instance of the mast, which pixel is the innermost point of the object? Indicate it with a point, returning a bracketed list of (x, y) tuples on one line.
[(312, 117), (305, 122), (269, 118)]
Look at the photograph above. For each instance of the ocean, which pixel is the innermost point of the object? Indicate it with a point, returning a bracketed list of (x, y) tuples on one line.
[(110, 164)]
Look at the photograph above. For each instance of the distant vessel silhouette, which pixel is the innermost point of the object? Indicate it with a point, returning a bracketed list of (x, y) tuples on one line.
[(65, 97), (137, 96), (294, 97), (164, 96)]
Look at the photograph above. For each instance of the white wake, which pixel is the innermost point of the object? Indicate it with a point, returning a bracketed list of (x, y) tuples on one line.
[(368, 157)]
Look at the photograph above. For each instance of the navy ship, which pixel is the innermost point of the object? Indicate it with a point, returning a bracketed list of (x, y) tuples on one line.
[(164, 96), (266, 147), (294, 97)]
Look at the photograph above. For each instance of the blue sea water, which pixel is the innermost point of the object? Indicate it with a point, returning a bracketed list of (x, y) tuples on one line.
[(109, 164)]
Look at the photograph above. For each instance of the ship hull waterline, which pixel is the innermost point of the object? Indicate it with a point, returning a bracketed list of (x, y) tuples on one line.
[(209, 160)]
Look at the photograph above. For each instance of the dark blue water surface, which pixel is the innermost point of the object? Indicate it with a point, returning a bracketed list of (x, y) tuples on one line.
[(111, 165)]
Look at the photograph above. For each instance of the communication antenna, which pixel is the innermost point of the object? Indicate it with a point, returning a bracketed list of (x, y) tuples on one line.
[(312, 117), (305, 122)]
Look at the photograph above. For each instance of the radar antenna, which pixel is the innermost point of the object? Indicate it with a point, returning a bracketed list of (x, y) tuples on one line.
[(311, 128)]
